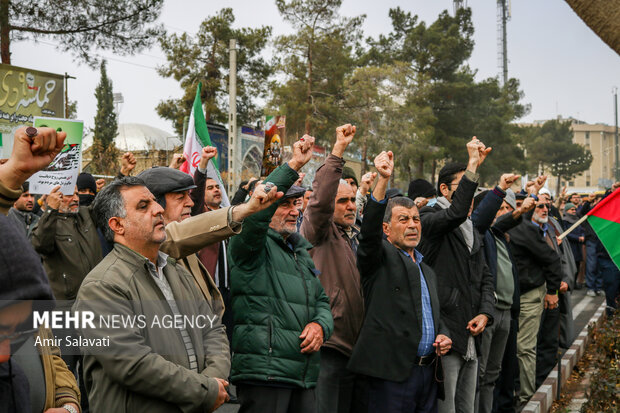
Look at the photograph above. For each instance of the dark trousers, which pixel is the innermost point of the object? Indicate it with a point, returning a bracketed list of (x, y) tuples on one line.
[(334, 389), (262, 399), (594, 281), (417, 394), (547, 344), (504, 392), (611, 283)]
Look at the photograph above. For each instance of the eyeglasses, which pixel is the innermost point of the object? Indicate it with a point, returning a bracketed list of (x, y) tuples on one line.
[(541, 206), (18, 334)]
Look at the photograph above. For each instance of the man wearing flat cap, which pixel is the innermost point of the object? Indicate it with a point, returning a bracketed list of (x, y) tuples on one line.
[(186, 235), (281, 313)]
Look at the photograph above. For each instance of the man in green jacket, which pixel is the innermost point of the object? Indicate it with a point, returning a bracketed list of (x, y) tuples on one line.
[(281, 313), (170, 353)]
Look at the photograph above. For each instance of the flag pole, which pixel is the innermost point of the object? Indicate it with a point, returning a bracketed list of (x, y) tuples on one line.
[(575, 225), (232, 118)]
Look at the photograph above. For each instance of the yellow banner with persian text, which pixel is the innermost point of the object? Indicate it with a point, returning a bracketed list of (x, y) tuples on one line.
[(25, 94)]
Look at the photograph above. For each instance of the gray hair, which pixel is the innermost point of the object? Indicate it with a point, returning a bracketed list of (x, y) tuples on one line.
[(110, 203), (343, 182), (397, 201)]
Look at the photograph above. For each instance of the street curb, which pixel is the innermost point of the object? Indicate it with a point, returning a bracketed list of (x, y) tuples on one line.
[(542, 400)]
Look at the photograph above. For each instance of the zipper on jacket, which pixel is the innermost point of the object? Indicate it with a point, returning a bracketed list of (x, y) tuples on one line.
[(303, 280), (270, 325)]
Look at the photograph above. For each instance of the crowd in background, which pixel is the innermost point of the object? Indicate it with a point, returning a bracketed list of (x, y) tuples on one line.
[(347, 296)]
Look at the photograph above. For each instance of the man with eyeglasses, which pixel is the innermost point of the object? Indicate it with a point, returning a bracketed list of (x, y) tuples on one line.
[(329, 225), (539, 264), (455, 251)]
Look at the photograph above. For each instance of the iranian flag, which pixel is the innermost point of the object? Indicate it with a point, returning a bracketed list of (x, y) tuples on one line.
[(197, 138), (605, 221)]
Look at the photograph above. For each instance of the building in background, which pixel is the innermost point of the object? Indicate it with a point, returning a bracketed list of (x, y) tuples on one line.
[(151, 146), (599, 138)]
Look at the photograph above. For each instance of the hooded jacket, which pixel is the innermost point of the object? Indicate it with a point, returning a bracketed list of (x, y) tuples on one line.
[(23, 278)]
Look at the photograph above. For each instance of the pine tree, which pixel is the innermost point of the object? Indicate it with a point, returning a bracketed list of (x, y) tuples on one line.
[(104, 152)]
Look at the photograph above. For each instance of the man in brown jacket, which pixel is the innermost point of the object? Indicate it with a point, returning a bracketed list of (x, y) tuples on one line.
[(329, 225)]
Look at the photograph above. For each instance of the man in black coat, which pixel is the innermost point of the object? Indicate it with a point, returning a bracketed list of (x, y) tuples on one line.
[(455, 251), (402, 333)]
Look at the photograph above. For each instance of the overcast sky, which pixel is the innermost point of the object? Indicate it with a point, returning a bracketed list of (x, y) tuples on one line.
[(563, 67)]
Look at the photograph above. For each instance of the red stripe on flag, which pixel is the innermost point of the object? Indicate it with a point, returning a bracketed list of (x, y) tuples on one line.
[(608, 208)]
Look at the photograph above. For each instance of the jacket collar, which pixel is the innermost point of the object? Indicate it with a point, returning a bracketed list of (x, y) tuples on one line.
[(136, 259), (295, 240)]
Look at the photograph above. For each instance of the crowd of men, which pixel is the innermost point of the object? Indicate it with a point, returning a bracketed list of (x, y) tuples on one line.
[(340, 298)]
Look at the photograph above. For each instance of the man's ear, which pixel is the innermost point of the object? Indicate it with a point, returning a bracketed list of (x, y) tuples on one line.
[(444, 189), (386, 229), (116, 225)]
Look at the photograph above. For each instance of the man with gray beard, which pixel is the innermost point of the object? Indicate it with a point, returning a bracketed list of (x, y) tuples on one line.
[(540, 273)]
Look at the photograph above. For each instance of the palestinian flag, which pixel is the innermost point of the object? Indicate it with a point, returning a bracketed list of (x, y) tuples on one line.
[(605, 221), (196, 139)]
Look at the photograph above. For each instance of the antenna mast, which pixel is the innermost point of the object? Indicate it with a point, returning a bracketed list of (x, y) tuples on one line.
[(503, 15)]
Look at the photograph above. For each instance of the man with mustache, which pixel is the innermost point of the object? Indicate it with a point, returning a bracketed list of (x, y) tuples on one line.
[(539, 263), (280, 309), (402, 334), (66, 239), (153, 367), (329, 225), (21, 212)]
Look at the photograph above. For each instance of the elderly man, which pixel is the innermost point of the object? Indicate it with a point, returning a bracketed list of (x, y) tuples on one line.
[(540, 274), (149, 366), (402, 323), (21, 212), (454, 250), (187, 235), (329, 225), (66, 239), (280, 309)]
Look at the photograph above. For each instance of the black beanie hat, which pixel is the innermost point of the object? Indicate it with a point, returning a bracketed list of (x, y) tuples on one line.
[(86, 181), (421, 187), (349, 173), (22, 276)]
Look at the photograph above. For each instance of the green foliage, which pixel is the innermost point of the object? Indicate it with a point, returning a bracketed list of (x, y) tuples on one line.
[(314, 62), (123, 27), (454, 105), (104, 150), (551, 146), (205, 58), (603, 391)]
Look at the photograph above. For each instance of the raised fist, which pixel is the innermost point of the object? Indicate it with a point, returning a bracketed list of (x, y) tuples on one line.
[(384, 162), (128, 163)]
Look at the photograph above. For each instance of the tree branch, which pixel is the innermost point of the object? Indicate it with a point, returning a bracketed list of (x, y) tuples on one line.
[(76, 30)]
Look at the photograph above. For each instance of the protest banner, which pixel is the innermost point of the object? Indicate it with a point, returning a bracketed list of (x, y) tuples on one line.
[(24, 95), (66, 166)]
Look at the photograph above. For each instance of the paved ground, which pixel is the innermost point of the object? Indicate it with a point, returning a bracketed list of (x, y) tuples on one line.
[(583, 309)]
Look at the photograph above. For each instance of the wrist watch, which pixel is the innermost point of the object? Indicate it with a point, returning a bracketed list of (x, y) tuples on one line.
[(69, 408)]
